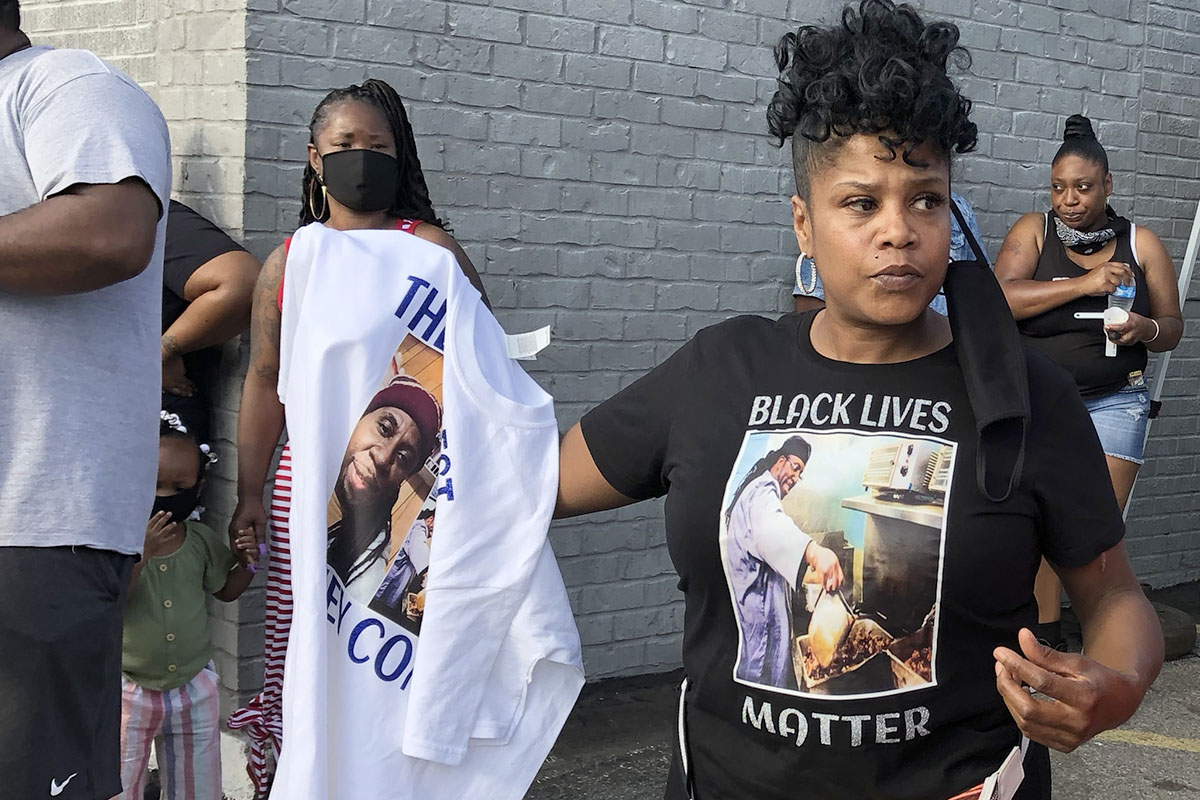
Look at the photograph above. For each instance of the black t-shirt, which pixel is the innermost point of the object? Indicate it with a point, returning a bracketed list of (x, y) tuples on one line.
[(938, 575), (1078, 344), (192, 241)]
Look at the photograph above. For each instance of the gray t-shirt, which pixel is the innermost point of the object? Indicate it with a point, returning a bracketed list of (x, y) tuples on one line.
[(79, 374)]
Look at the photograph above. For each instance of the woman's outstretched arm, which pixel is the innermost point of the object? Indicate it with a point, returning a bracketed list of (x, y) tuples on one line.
[(581, 487)]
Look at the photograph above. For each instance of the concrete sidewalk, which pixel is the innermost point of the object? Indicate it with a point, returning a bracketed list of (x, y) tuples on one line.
[(617, 744)]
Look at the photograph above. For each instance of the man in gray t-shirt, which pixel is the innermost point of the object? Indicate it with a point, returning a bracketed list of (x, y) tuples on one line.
[(84, 179)]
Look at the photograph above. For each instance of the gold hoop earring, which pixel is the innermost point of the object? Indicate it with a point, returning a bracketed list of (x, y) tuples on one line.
[(312, 199), (812, 285)]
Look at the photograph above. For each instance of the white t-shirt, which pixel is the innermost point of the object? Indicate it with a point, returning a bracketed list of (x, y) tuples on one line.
[(79, 374), (469, 703)]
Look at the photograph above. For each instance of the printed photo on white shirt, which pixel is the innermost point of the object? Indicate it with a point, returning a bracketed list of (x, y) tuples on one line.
[(381, 510)]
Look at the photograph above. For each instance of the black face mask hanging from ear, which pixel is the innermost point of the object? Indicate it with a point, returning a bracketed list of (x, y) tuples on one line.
[(361, 180), (993, 364)]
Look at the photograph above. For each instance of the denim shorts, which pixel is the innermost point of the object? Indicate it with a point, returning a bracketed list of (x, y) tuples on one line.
[(1121, 419)]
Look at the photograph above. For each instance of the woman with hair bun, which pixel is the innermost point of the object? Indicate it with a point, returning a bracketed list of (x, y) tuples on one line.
[(940, 475), (1071, 260)]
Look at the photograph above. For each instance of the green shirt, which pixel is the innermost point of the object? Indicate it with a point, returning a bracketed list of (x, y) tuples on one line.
[(166, 637)]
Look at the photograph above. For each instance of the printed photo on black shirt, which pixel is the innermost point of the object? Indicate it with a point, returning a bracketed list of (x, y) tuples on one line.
[(874, 504)]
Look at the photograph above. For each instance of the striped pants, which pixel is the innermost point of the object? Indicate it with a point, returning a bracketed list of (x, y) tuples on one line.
[(185, 726)]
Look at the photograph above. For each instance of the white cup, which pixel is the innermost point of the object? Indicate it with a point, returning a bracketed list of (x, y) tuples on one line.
[(1113, 315)]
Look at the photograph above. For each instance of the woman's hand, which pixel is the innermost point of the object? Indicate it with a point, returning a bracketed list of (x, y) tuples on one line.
[(1083, 697), (160, 531), (174, 376), (1105, 278), (249, 520), (825, 563), (1133, 330)]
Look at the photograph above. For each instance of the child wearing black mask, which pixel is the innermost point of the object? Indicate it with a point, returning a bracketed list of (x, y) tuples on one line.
[(169, 690)]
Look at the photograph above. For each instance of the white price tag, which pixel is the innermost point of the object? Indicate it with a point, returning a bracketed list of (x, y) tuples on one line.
[(1004, 782), (526, 346)]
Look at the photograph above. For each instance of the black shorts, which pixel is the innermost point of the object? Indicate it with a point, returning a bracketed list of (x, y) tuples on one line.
[(61, 610)]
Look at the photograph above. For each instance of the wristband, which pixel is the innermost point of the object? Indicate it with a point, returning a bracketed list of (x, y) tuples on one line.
[(1157, 330)]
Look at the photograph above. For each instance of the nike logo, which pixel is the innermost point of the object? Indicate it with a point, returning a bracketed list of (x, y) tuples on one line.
[(56, 788)]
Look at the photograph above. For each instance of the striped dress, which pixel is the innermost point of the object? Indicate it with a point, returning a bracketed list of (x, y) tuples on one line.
[(262, 718)]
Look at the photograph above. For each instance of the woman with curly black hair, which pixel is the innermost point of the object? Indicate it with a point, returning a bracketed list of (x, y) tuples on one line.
[(944, 462)]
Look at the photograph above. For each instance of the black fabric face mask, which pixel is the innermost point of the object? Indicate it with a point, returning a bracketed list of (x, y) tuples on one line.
[(993, 364), (180, 505), (361, 180)]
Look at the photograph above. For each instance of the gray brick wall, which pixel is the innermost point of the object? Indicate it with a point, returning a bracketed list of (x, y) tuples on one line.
[(1164, 518), (123, 31), (604, 164), (596, 160)]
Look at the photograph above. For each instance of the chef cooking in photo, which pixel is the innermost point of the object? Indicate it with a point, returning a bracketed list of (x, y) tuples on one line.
[(767, 553)]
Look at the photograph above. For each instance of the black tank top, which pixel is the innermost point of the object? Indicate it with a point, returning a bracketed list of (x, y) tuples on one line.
[(1078, 344)]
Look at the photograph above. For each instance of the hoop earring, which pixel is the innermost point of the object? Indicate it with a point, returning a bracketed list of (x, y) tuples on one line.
[(812, 285), (312, 200)]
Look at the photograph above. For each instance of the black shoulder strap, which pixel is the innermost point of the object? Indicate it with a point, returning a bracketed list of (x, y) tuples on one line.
[(962, 226)]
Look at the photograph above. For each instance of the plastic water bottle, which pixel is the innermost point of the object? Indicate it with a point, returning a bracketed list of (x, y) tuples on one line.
[(1121, 299)]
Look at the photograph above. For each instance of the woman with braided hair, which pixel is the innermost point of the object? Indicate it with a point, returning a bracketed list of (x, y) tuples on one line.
[(379, 184), (363, 173), (949, 457)]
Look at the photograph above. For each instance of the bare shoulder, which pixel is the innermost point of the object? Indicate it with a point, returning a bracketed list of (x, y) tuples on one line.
[(1149, 244), (266, 315), (277, 258), (1025, 232), (1018, 256), (266, 287), (432, 233), (272, 269), (1029, 224)]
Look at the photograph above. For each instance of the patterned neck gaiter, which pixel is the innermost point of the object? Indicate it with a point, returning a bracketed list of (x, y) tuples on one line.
[(1087, 242)]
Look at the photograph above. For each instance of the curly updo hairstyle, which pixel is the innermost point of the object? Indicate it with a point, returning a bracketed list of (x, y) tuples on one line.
[(1079, 139), (882, 70)]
